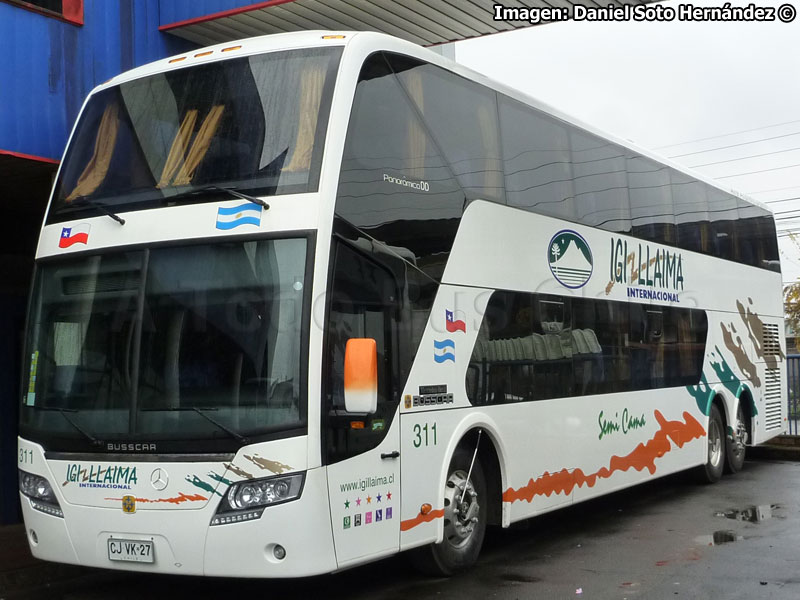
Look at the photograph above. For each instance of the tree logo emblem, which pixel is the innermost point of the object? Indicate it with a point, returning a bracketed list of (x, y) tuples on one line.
[(570, 259)]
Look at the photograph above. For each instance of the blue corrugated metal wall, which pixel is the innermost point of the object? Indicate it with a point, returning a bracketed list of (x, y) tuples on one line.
[(173, 11), (48, 66)]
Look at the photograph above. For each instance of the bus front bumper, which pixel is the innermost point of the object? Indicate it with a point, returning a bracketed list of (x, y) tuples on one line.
[(288, 540)]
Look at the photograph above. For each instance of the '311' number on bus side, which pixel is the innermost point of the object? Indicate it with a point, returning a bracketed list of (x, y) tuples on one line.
[(424, 435)]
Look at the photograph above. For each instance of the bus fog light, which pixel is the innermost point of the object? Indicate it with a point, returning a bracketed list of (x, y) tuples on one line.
[(279, 552), (34, 537)]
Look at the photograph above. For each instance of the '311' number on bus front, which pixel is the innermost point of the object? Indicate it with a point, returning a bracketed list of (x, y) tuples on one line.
[(25, 456), (424, 435)]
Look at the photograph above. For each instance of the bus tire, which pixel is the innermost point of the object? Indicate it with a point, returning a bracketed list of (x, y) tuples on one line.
[(711, 471), (464, 521), (735, 443)]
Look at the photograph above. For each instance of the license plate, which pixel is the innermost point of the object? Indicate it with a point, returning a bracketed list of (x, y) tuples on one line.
[(130, 550)]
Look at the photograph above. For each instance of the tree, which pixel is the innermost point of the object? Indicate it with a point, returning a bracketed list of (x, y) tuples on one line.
[(791, 305), (791, 299)]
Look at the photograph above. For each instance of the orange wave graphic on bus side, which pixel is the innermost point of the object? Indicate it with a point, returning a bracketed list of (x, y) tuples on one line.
[(420, 519), (179, 499), (643, 457)]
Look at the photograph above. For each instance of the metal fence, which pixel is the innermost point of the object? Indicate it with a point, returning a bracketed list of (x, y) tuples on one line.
[(793, 395)]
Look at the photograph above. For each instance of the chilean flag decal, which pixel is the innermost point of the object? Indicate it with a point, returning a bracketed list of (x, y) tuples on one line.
[(77, 234), (454, 324)]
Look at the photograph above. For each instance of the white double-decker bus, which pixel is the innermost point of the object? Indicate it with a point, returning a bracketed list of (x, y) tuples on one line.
[(308, 300)]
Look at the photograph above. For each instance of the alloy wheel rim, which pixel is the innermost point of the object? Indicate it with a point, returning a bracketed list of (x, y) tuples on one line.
[(714, 444), (460, 509), (739, 436)]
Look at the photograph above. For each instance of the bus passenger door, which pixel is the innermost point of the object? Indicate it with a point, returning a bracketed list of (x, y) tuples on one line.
[(362, 449)]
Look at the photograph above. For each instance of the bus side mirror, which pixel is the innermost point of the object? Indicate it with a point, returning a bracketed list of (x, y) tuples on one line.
[(361, 376)]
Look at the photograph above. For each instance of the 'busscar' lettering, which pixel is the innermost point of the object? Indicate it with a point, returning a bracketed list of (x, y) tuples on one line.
[(123, 447)]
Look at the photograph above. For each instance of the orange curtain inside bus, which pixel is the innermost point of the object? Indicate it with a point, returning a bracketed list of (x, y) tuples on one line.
[(200, 146), (416, 132), (97, 167), (178, 149), (311, 83)]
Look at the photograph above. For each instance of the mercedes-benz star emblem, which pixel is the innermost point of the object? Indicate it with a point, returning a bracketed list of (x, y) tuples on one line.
[(159, 479)]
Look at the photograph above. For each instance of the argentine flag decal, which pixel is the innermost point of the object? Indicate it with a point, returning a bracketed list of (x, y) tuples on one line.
[(243, 214), (444, 350)]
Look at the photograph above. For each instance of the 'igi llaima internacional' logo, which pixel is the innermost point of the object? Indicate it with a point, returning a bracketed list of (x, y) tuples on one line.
[(570, 259)]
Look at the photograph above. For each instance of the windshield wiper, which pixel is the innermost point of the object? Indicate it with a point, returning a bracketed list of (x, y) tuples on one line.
[(84, 201), (202, 413), (216, 188), (64, 413)]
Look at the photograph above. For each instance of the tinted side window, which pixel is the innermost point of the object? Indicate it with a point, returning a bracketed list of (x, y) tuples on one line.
[(685, 345), (501, 369), (423, 142), (756, 241), (604, 363), (537, 160), (537, 347), (652, 211), (559, 170), (747, 249), (646, 346), (395, 183), (601, 182), (690, 201), (767, 241), (723, 212), (461, 117), (637, 346), (524, 350)]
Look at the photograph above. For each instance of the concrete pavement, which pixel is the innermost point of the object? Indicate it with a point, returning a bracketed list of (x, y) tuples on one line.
[(21, 573)]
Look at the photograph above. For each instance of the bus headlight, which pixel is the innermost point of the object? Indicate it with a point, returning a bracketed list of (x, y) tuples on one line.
[(247, 500), (40, 493)]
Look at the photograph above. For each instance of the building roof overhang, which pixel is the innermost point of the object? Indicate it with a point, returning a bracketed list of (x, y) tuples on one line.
[(427, 22)]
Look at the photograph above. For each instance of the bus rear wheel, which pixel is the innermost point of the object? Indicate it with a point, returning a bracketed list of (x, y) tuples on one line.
[(735, 449), (465, 513), (711, 471)]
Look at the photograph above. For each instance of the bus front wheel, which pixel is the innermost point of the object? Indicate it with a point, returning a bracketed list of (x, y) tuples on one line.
[(465, 513)]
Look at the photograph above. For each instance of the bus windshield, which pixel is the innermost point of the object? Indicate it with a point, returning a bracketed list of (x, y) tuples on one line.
[(255, 123), (173, 343)]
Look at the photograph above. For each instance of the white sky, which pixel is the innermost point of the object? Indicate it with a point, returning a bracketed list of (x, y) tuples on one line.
[(662, 84)]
